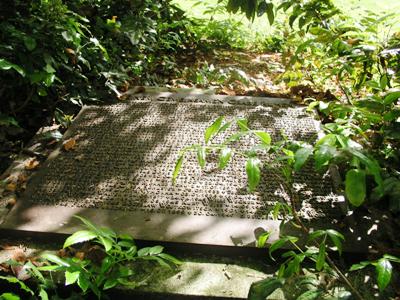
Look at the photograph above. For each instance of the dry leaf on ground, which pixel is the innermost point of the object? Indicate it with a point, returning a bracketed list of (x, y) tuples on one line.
[(69, 144), (31, 164), (11, 187)]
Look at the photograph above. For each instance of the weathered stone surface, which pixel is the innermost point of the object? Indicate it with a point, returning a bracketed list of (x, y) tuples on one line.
[(118, 173), (125, 154)]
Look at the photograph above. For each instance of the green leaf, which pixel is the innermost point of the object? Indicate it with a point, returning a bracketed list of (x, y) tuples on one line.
[(107, 243), (321, 256), (177, 168), (336, 238), (264, 137), (6, 65), (270, 13), (30, 43), (110, 283), (310, 295), (392, 97), (262, 239), (22, 285), (170, 258), (156, 250), (9, 296), (83, 282), (212, 129), (71, 277), (55, 259), (316, 234), (355, 187), (279, 243), (392, 258), (359, 266), (262, 289), (323, 155), (384, 271), (253, 172), (150, 251), (224, 157), (79, 237), (201, 156), (383, 82), (301, 156), (42, 293), (242, 123)]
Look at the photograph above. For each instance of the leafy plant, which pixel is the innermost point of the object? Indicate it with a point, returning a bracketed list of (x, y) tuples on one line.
[(118, 252)]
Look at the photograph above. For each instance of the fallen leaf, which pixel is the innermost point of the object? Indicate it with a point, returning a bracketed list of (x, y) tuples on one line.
[(11, 187), (70, 51), (31, 164), (80, 255), (22, 178), (69, 144), (21, 272), (19, 255), (11, 200)]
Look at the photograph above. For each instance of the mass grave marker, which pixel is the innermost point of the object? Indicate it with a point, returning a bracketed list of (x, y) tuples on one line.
[(119, 173)]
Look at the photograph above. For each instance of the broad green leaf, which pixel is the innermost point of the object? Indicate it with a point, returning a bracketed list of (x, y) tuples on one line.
[(279, 243), (264, 137), (212, 129), (177, 168), (336, 238), (71, 277), (9, 296), (371, 164), (87, 223), (106, 242), (359, 266), (224, 157), (30, 43), (150, 251), (392, 258), (321, 256), (323, 155), (156, 250), (301, 156), (262, 239), (383, 82), (83, 282), (253, 172), (260, 290), (384, 272), (316, 234), (201, 156), (355, 186), (243, 124), (110, 283), (329, 139), (170, 258), (310, 295), (79, 237), (6, 65), (55, 259), (391, 98), (270, 13), (22, 285), (293, 267)]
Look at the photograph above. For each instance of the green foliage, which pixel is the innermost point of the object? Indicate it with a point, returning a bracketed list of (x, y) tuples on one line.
[(114, 269), (383, 269), (55, 54)]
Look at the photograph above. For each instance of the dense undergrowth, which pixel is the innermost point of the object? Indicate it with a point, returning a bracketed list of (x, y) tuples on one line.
[(56, 53)]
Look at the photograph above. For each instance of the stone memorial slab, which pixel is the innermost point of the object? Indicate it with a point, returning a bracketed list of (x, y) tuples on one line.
[(119, 172)]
